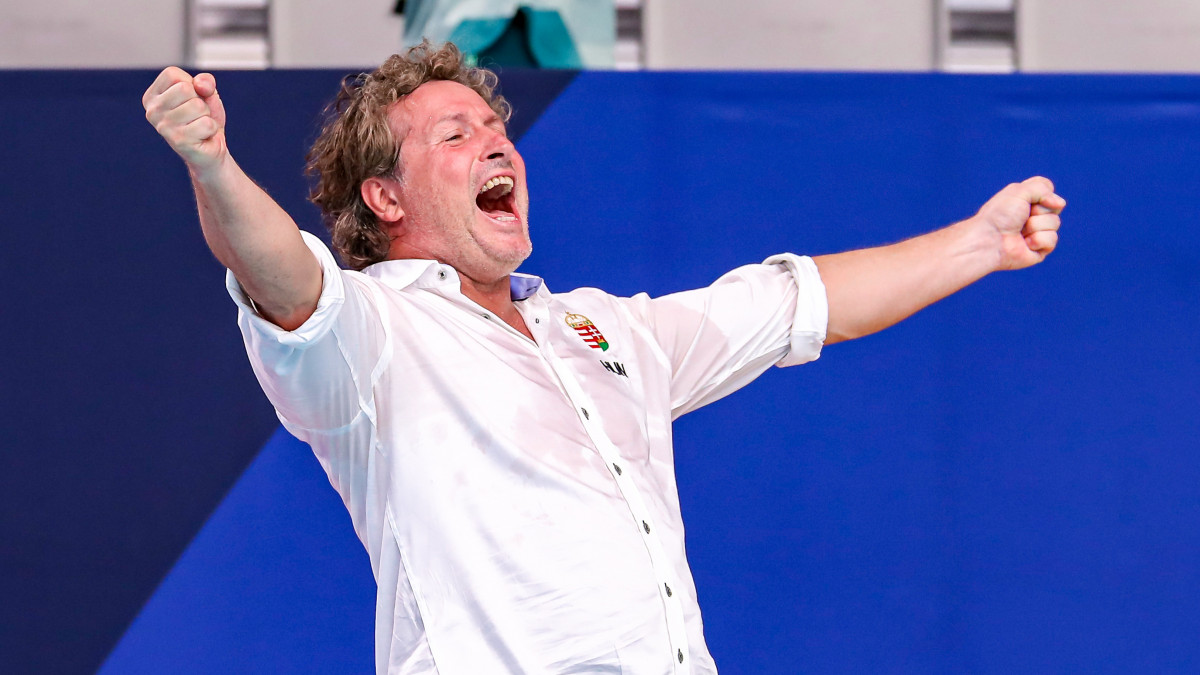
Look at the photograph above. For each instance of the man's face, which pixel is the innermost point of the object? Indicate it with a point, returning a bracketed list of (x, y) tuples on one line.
[(462, 183)]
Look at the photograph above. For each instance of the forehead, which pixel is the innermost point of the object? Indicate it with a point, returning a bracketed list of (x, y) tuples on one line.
[(433, 101)]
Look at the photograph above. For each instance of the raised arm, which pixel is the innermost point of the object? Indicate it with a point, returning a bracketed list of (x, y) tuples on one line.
[(873, 288), (246, 230)]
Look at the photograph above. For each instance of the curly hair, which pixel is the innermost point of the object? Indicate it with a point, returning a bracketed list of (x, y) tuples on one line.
[(357, 143)]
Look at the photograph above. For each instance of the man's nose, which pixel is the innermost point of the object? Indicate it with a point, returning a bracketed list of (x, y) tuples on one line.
[(497, 145)]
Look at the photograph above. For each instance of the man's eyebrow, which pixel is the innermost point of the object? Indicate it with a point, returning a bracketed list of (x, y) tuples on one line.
[(451, 117), (463, 117)]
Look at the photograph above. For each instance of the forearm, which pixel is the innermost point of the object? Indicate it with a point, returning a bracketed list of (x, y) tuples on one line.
[(259, 242), (247, 231), (871, 289)]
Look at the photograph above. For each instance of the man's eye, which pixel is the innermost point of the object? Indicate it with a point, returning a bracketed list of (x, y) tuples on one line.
[(455, 137)]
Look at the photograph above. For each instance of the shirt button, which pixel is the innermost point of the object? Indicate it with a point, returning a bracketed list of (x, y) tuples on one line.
[(617, 468), (679, 653), (487, 316), (586, 416), (646, 527), (668, 587), (441, 275), (537, 320)]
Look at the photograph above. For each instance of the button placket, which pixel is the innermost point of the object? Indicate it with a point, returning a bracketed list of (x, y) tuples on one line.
[(660, 562), (533, 310)]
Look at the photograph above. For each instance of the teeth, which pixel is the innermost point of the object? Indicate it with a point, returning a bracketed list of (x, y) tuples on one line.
[(498, 180)]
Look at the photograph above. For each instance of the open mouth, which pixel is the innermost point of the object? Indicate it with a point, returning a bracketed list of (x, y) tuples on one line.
[(495, 199)]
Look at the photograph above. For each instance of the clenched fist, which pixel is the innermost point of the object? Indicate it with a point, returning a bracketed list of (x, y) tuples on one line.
[(1026, 217), (187, 112)]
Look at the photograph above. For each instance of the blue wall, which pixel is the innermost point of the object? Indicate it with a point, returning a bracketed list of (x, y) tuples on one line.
[(1007, 482)]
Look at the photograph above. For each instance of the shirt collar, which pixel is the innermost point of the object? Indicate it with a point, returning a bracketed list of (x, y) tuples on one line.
[(401, 274), (523, 285)]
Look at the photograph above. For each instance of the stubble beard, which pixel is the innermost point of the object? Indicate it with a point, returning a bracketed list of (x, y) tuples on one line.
[(466, 244), (513, 254), (473, 249), (502, 249)]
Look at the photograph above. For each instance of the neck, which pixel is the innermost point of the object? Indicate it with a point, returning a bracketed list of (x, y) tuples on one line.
[(496, 297), (492, 295)]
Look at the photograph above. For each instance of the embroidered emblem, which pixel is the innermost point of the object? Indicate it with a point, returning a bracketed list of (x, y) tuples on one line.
[(588, 331)]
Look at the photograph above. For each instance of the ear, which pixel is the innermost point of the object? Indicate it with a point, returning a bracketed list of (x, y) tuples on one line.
[(382, 195)]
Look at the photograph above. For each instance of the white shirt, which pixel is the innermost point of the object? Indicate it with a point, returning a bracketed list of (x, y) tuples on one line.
[(517, 497)]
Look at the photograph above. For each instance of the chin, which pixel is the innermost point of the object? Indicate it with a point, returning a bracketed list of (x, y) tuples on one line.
[(515, 257), (511, 250)]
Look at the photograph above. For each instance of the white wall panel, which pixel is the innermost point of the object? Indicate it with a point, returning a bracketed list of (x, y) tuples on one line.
[(799, 34), (334, 33), (91, 34), (1109, 35)]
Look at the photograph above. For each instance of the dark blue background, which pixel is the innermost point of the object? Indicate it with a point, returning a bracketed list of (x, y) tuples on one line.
[(1008, 482)]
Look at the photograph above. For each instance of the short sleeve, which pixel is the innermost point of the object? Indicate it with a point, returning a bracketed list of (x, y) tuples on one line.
[(319, 376), (333, 295), (810, 321), (718, 339)]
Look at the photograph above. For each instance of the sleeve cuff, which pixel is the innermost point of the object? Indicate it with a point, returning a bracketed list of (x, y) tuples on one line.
[(811, 319), (333, 294)]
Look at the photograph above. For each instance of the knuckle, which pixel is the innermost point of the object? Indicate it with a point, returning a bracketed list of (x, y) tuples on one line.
[(193, 107), (183, 89)]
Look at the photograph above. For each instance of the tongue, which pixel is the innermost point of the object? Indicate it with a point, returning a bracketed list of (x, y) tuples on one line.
[(492, 201)]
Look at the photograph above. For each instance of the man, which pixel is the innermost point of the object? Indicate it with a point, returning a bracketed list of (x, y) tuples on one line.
[(505, 452)]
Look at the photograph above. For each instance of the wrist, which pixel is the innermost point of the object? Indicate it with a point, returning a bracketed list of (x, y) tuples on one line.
[(983, 242), (211, 171)]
